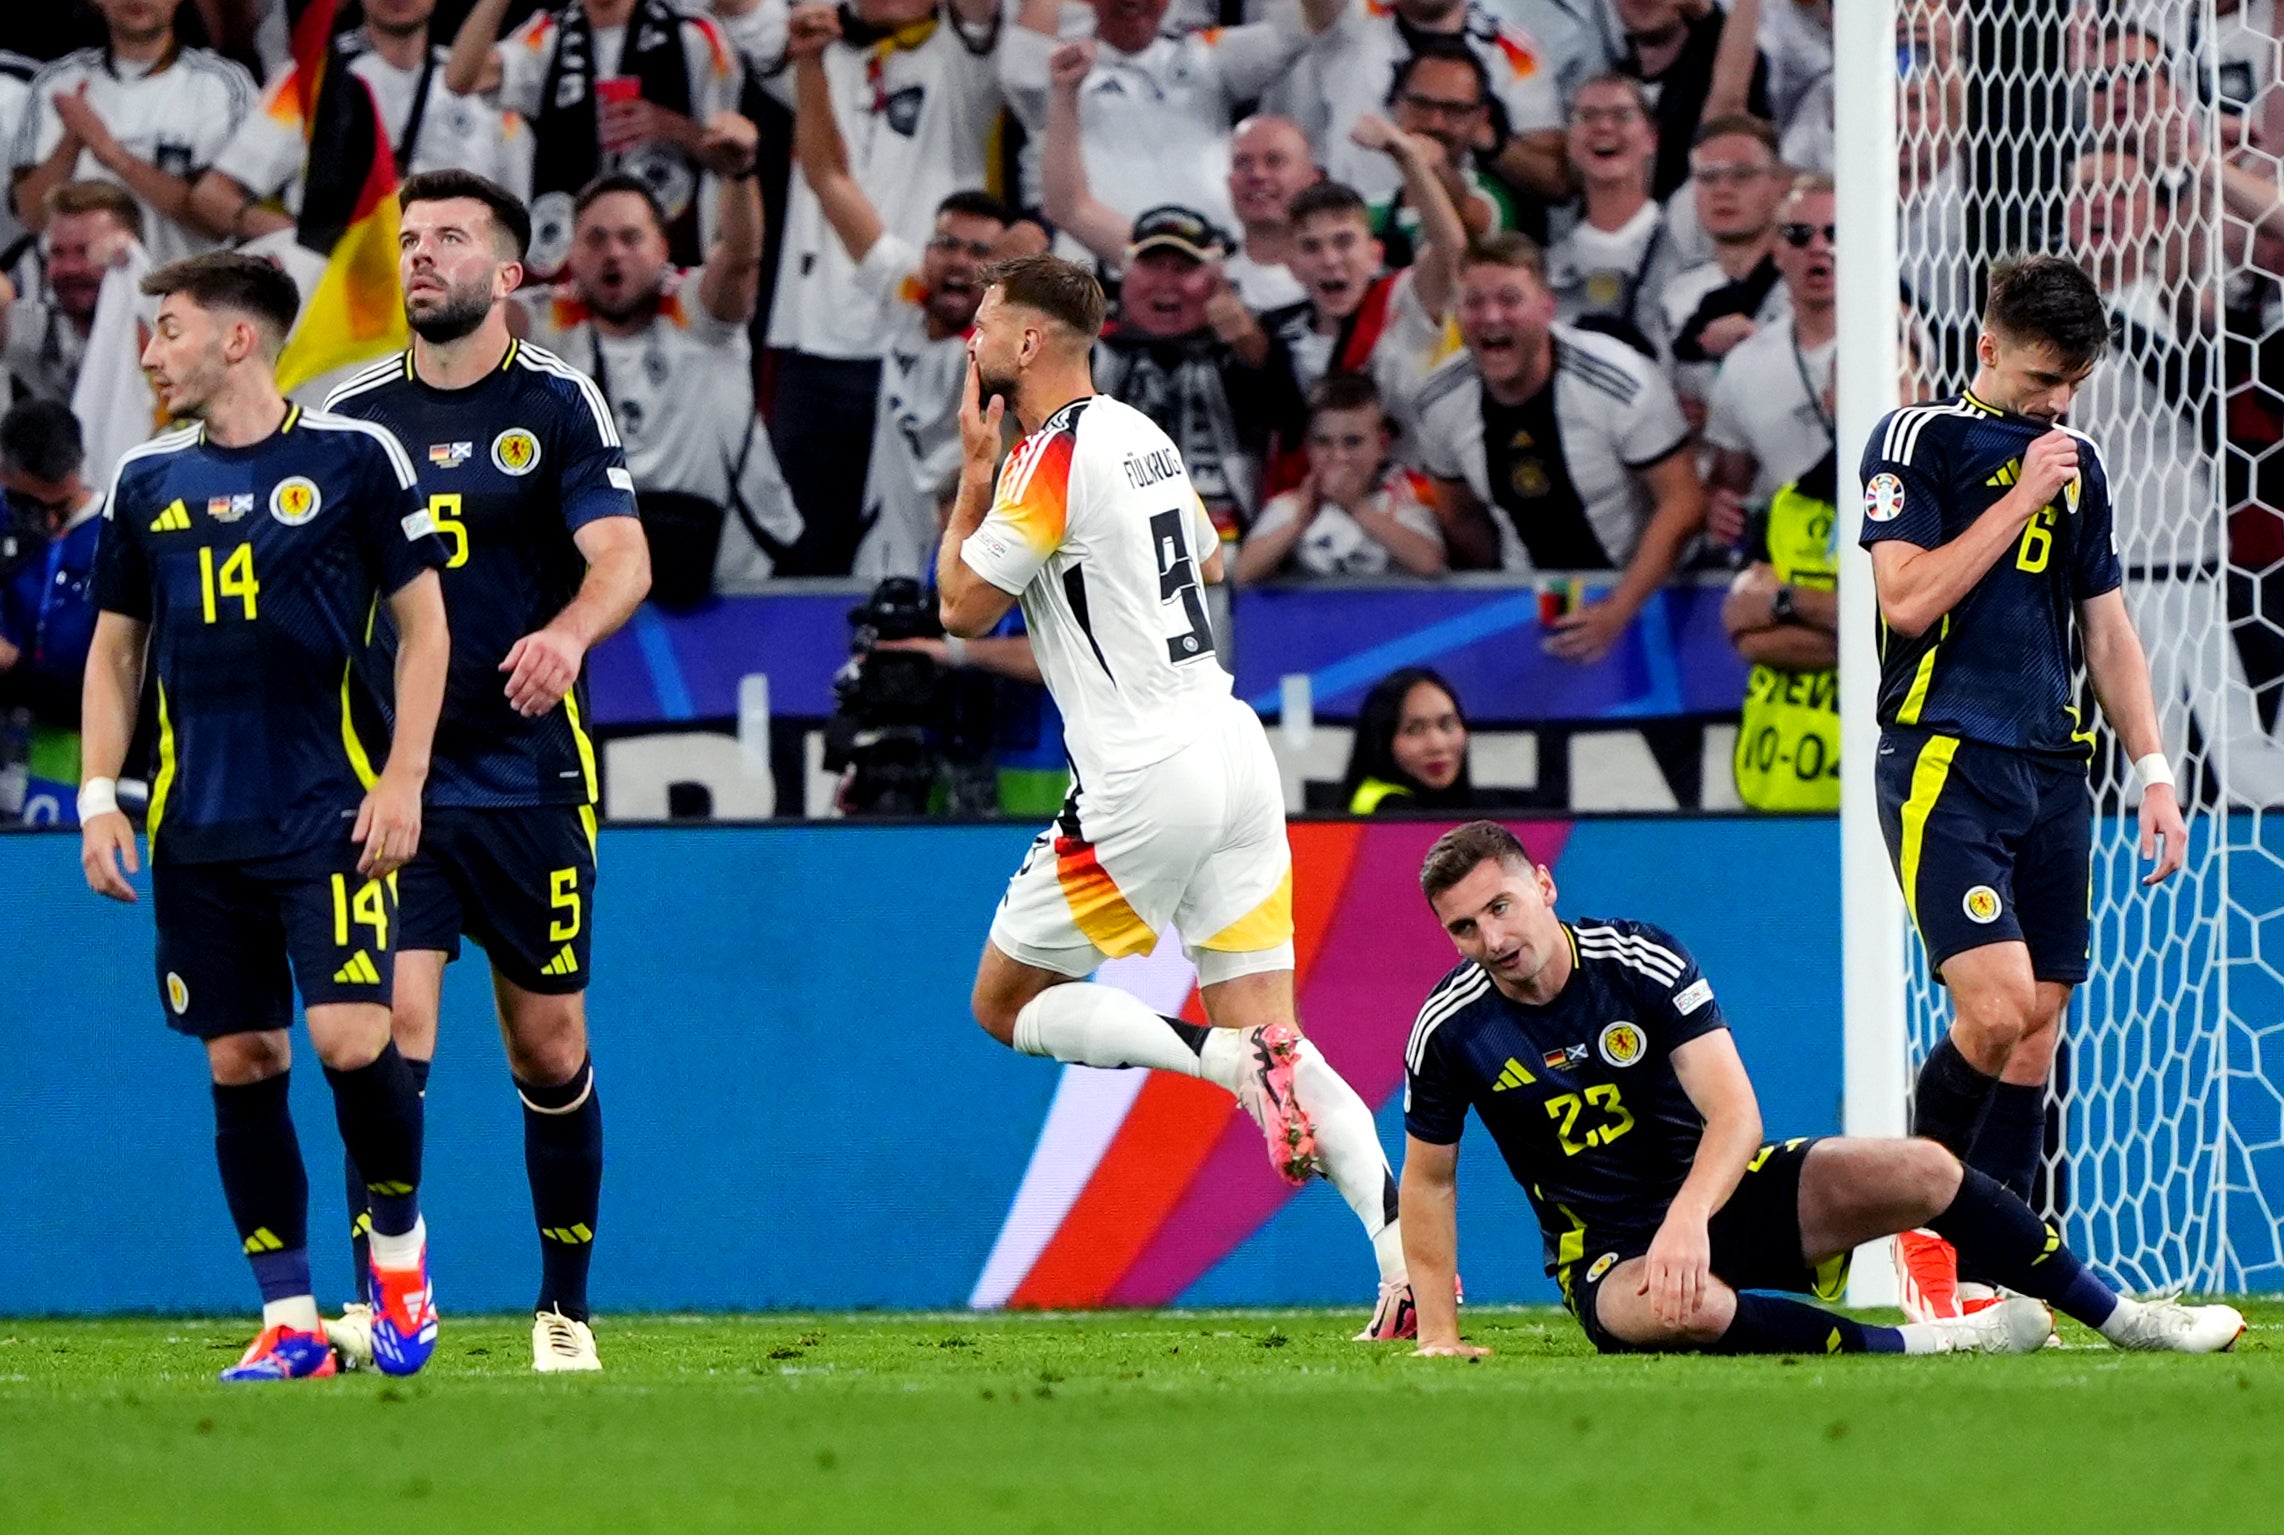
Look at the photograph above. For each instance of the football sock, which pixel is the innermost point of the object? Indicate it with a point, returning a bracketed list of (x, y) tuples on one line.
[(563, 1154), (1770, 1324), (266, 1186), (2003, 1241), (1088, 1024), (361, 1218), (2012, 1138), (1948, 1104), (298, 1312), (400, 1250), (1348, 1150), (2008, 1147), (378, 1108)]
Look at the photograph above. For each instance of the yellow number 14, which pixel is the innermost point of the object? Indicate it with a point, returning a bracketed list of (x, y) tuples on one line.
[(237, 580)]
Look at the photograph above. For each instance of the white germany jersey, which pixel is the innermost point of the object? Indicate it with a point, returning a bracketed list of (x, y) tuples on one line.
[(1096, 527)]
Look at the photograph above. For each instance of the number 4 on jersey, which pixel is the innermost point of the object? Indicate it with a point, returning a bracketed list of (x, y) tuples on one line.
[(1177, 578)]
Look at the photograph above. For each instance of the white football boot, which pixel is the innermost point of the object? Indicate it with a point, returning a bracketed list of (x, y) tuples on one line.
[(559, 1344)]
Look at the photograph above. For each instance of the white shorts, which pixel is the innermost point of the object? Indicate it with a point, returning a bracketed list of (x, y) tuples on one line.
[(1196, 842)]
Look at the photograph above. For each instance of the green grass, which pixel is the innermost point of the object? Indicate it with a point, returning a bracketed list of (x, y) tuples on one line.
[(1160, 1421)]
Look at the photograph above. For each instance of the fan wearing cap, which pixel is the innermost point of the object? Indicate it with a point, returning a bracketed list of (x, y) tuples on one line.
[(1184, 350)]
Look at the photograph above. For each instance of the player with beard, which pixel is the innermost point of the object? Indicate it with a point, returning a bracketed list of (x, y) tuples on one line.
[(927, 299), (522, 470)]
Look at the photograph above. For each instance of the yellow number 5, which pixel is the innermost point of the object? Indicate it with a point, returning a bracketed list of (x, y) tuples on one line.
[(446, 510), (563, 895)]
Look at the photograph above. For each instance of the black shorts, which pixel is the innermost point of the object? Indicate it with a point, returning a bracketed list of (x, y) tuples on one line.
[(519, 881), (1990, 846), (237, 939), (1756, 1245)]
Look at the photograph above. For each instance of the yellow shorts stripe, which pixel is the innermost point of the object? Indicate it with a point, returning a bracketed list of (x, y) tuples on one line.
[(1264, 927), (1928, 776), (585, 745), (1098, 908)]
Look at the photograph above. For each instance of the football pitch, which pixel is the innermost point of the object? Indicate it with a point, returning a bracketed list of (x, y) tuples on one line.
[(1189, 1421)]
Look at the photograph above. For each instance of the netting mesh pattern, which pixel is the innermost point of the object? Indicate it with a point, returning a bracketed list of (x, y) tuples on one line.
[(2135, 138)]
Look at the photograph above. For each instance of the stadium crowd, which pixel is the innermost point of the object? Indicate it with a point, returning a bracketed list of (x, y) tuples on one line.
[(1423, 286)]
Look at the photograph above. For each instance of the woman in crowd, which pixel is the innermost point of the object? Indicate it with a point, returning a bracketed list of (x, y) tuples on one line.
[(1411, 748)]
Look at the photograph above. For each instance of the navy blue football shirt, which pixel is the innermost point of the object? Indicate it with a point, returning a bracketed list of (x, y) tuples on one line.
[(2000, 667), (260, 570), (511, 467), (1580, 1095)]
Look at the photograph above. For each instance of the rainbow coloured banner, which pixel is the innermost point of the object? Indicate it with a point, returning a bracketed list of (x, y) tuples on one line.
[(1140, 1182)]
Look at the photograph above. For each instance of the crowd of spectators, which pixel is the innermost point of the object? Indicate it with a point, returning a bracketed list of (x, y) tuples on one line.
[(1417, 286)]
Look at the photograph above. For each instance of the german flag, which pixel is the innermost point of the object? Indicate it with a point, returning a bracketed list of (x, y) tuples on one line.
[(348, 210)]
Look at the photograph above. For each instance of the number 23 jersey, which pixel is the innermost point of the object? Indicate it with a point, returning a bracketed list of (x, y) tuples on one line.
[(1579, 1095), (1097, 529)]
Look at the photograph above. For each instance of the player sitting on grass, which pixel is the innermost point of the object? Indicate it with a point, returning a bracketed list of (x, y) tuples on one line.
[(1595, 1055)]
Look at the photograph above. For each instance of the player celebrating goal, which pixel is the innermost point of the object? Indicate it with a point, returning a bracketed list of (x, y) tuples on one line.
[(247, 550), (1598, 1058), (1989, 527), (1176, 815), (522, 467)]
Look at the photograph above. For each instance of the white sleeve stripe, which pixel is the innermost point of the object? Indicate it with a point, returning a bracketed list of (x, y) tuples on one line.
[(1451, 998), (157, 447), (1627, 953), (398, 458), (542, 361), (361, 383)]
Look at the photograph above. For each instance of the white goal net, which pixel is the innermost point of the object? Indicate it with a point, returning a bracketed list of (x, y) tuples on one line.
[(2137, 139)]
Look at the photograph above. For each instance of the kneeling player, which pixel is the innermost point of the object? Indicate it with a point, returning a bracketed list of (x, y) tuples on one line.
[(1597, 1058)]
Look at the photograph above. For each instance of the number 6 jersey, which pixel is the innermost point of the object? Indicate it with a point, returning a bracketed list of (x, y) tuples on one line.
[(1098, 531), (511, 467)]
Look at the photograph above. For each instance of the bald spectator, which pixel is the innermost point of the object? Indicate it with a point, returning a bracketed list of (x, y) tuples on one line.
[(1712, 306), (143, 111), (1154, 111), (45, 332), (1612, 267), (1353, 64), (1270, 164)]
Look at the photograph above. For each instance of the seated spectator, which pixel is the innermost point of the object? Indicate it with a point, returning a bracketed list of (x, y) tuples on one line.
[(1613, 265), (43, 336), (143, 111), (1783, 615), (1185, 352), (1575, 439), (927, 298), (428, 127), (1355, 61), (1154, 111), (47, 616), (667, 346), (1712, 306), (1357, 512), (621, 87), (1359, 317), (1410, 750), (1442, 96), (1770, 417), (1695, 69), (915, 94)]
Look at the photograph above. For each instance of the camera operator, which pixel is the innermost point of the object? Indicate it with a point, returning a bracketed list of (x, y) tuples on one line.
[(47, 556)]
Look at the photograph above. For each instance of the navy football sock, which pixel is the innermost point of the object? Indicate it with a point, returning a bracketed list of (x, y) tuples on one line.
[(2008, 1147), (378, 1108), (563, 1154), (263, 1179), (360, 1215), (1998, 1236), (1771, 1324), (1948, 1104)]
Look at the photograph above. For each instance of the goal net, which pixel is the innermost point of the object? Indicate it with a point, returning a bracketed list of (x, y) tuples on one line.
[(2135, 137)]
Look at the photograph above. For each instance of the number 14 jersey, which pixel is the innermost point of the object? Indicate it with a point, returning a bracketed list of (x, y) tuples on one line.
[(1098, 531)]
